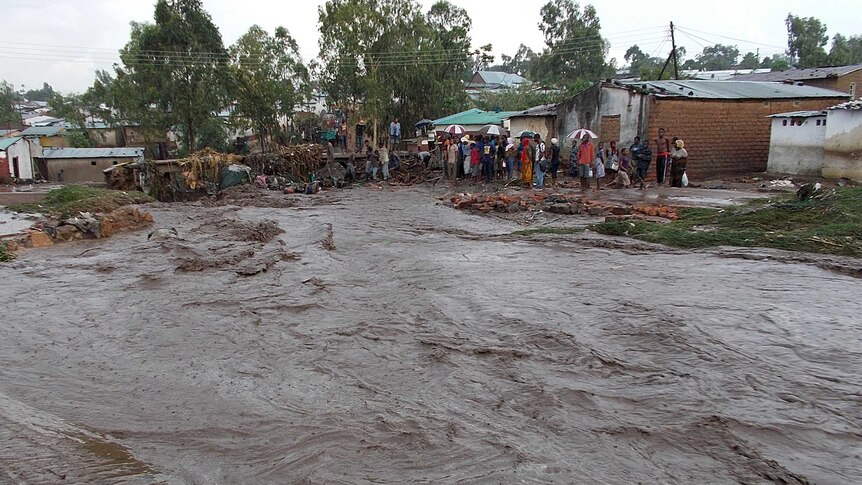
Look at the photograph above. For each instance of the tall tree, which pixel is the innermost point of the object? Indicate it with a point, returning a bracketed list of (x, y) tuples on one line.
[(641, 64), (749, 61), (806, 37), (9, 116), (574, 48), (520, 63), (176, 66), (386, 58), (43, 94), (718, 57), (845, 51), (268, 80)]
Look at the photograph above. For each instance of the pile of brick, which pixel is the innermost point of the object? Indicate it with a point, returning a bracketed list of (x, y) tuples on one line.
[(560, 204)]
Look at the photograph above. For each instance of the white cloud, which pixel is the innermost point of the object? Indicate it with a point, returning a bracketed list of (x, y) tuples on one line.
[(104, 24)]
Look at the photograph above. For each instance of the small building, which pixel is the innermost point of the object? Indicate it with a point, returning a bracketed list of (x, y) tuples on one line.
[(843, 145), (540, 119), (796, 143), (48, 136), (85, 164), (9, 133), (15, 159), (723, 123), (495, 80), (847, 79), (474, 119)]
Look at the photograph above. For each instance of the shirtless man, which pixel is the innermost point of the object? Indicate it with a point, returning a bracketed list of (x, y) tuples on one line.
[(663, 151)]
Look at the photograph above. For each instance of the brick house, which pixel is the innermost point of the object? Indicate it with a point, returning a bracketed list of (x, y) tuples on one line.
[(723, 123), (847, 79)]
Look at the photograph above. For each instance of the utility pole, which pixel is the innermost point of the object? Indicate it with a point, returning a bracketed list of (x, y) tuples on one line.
[(671, 56), (673, 53)]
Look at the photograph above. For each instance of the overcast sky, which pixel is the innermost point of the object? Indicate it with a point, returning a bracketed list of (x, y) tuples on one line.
[(63, 42)]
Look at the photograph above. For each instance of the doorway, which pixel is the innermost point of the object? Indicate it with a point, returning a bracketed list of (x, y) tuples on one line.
[(16, 171)]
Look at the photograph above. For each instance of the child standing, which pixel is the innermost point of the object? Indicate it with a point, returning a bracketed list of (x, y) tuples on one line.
[(474, 161), (599, 169)]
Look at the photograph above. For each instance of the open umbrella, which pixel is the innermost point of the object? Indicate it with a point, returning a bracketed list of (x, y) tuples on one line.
[(425, 122), (494, 130), (578, 134), (455, 130), (526, 133)]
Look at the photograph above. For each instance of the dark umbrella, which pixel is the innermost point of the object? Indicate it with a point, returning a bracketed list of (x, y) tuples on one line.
[(526, 133), (425, 122)]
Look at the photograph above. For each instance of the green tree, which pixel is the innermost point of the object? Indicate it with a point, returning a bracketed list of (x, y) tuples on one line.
[(806, 37), (641, 64), (43, 94), (520, 63), (574, 48), (717, 57), (73, 108), (176, 66), (518, 99), (845, 51), (268, 80), (384, 58), (749, 61), (9, 116)]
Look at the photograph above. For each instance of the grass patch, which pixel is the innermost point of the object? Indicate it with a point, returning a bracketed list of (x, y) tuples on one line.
[(5, 253), (549, 230), (831, 226), (72, 199)]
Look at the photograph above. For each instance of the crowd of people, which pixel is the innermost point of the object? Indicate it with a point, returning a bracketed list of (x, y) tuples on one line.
[(489, 158)]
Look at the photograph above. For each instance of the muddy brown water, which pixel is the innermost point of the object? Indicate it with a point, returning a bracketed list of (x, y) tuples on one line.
[(413, 343)]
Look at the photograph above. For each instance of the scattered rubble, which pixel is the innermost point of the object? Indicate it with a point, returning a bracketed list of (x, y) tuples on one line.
[(568, 204)]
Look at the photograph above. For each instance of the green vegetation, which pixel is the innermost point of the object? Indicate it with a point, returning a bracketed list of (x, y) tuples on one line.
[(549, 230), (5, 254), (830, 226), (70, 200)]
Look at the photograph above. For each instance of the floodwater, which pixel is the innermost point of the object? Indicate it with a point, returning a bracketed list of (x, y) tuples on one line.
[(385, 338)]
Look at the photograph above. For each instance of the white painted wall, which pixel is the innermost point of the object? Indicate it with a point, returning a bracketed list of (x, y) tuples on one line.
[(797, 149), (21, 150), (629, 106), (843, 144)]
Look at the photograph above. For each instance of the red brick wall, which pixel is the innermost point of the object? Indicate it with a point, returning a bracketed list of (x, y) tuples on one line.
[(5, 172), (839, 83), (723, 137)]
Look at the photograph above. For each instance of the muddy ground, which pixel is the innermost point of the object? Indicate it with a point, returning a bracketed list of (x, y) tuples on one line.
[(384, 337)]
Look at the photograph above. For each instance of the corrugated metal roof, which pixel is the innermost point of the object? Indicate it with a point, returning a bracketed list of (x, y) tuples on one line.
[(733, 90), (541, 110), (800, 74), (799, 114), (7, 142), (42, 131), (92, 152), (474, 117), (6, 132), (501, 78)]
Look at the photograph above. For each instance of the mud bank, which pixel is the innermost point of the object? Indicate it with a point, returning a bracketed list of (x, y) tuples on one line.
[(389, 338)]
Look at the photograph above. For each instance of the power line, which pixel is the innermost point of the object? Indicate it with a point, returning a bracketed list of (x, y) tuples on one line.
[(731, 38)]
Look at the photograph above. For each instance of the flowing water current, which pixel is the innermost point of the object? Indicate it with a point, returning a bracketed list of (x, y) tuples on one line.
[(383, 338)]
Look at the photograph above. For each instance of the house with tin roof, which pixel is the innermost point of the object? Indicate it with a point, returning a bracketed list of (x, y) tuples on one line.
[(16, 160), (474, 119), (724, 123), (82, 165), (842, 78)]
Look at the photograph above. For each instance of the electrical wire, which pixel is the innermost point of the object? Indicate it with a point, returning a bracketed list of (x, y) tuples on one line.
[(731, 38)]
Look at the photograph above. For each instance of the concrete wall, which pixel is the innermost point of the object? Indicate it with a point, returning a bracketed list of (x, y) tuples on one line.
[(587, 109), (724, 137), (796, 145), (58, 141), (80, 170), (25, 162), (841, 83), (545, 126), (843, 145), (103, 137)]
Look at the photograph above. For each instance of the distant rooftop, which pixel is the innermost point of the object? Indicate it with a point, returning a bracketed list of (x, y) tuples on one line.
[(42, 131), (731, 89), (849, 105), (541, 110), (495, 79), (7, 142), (799, 114), (800, 74), (54, 153)]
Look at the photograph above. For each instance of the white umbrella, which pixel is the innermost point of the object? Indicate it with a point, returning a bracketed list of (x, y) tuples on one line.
[(578, 134), (492, 130), (455, 129)]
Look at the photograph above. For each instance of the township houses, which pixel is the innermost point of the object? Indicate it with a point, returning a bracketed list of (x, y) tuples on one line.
[(80, 165), (723, 123), (16, 159), (847, 79), (48, 136), (825, 143), (540, 119)]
